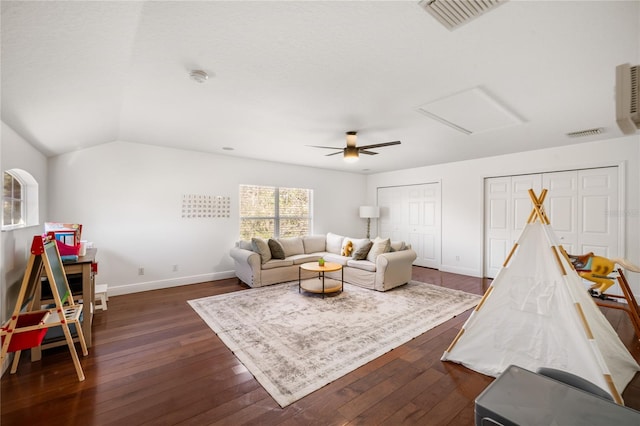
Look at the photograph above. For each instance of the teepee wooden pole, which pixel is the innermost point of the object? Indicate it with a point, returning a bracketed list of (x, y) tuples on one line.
[(484, 297), (583, 320), (458, 336), (557, 257), (586, 327), (513, 250), (538, 209), (566, 256), (612, 388), (607, 377), (478, 307)]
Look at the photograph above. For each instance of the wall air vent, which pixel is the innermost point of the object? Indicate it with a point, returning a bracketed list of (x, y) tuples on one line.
[(628, 98), (588, 132), (453, 13)]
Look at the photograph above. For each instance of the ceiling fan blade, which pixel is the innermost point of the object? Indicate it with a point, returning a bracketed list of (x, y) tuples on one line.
[(361, 151), (326, 147), (379, 145), (334, 153)]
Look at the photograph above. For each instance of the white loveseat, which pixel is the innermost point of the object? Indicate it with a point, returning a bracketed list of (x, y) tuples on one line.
[(385, 264)]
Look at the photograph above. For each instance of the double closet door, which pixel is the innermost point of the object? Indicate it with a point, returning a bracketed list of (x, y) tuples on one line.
[(412, 214), (581, 206)]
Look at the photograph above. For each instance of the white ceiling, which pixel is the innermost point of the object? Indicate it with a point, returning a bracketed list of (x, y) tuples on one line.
[(288, 74)]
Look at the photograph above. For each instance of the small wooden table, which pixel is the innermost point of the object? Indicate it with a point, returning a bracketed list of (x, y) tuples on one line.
[(318, 286)]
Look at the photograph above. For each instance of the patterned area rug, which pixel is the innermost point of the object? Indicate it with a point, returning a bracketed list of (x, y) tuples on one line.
[(295, 343)]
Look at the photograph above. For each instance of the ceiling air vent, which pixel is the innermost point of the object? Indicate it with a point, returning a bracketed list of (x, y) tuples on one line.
[(588, 132), (453, 13)]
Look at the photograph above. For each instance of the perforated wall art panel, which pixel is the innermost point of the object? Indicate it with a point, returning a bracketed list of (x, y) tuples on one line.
[(196, 206)]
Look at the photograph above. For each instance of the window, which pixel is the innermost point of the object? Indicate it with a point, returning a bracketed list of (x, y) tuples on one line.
[(267, 211), (19, 200), (12, 202)]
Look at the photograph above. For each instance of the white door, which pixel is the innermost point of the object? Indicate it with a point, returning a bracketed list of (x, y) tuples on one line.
[(497, 237), (579, 205), (599, 224), (598, 200), (507, 208), (561, 206), (521, 199), (412, 214), (392, 214)]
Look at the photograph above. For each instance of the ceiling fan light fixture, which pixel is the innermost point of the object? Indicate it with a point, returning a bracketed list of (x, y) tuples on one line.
[(351, 138), (351, 154)]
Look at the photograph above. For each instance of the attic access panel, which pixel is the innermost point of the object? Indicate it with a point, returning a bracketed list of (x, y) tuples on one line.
[(471, 111)]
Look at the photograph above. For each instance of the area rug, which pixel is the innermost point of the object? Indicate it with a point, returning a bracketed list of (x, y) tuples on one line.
[(294, 344)]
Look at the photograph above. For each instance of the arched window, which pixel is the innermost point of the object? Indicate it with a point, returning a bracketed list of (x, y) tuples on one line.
[(19, 200)]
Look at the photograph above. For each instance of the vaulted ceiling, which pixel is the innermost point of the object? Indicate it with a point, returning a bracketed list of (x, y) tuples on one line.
[(284, 75)]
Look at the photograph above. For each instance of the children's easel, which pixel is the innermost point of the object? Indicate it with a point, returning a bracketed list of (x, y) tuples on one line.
[(27, 327)]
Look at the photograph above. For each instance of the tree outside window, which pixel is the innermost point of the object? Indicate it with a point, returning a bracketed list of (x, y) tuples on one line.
[(268, 212)]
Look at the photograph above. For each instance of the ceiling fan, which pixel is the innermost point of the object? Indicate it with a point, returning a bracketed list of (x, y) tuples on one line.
[(351, 151)]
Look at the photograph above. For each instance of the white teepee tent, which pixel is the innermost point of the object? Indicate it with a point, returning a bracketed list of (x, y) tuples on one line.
[(537, 313)]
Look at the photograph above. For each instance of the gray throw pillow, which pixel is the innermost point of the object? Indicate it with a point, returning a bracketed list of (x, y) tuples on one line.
[(277, 251), (361, 252), (262, 247)]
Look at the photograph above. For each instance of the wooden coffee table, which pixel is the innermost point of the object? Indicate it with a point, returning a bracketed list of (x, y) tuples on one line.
[(319, 286)]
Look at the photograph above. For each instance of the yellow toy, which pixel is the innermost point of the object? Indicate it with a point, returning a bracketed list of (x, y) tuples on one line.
[(348, 248), (597, 269)]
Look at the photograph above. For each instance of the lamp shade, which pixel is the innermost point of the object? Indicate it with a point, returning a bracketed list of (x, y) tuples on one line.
[(369, 211)]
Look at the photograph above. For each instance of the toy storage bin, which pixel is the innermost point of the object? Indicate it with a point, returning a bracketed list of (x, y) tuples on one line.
[(27, 339), (67, 250)]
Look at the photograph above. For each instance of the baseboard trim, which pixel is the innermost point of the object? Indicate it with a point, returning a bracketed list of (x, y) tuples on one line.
[(462, 271), (173, 282)]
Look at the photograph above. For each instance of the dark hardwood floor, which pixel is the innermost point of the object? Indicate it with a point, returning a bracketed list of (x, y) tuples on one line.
[(155, 362)]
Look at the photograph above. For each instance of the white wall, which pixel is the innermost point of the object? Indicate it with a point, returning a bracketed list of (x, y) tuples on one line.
[(17, 153), (462, 194), (128, 197)]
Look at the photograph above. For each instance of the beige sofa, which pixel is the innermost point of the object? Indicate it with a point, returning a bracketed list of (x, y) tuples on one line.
[(385, 264)]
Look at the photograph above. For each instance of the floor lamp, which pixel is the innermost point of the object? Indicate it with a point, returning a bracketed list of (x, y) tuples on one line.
[(368, 212)]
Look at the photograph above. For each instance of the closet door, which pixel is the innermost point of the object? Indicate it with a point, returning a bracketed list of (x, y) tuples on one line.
[(598, 203), (580, 205), (507, 208), (393, 214), (497, 223), (521, 199), (412, 214), (424, 224), (561, 206)]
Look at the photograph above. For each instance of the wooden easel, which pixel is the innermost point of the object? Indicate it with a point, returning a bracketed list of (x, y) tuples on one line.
[(27, 327)]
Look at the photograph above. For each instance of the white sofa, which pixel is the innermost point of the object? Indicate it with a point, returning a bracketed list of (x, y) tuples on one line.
[(382, 269)]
